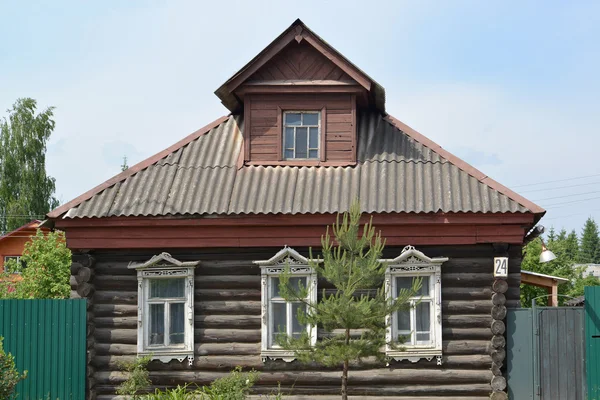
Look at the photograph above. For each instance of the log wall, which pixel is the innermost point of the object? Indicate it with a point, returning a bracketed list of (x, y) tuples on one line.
[(227, 330)]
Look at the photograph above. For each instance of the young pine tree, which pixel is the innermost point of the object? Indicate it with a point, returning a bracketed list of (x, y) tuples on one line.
[(589, 251), (354, 314)]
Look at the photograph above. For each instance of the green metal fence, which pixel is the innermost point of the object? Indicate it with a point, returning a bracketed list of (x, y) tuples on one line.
[(48, 339), (546, 353)]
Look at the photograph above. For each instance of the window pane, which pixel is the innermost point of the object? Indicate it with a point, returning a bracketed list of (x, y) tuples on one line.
[(289, 138), (289, 153), (167, 288), (293, 119), (176, 327), (297, 328), (279, 320), (403, 283), (295, 283), (423, 320), (274, 287), (311, 119), (404, 321), (301, 143), (314, 138), (406, 283), (424, 291), (313, 154), (157, 324)]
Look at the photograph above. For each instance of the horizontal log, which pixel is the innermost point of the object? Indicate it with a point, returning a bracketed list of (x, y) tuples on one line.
[(211, 267), (498, 383), (466, 307), (114, 310), (466, 320), (456, 347), (228, 307), (371, 377), (115, 349), (85, 260), (85, 274), (498, 341), (201, 321), (203, 349), (129, 336), (466, 333), (498, 312), (497, 327), (500, 286), (498, 299)]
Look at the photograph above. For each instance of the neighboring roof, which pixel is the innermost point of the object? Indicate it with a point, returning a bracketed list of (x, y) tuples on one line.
[(397, 170), (298, 31), (30, 225), (556, 278)]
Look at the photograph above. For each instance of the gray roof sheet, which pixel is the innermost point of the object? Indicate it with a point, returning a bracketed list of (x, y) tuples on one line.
[(394, 173)]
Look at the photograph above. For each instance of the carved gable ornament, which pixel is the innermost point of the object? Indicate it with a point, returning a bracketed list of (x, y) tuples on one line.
[(163, 260), (284, 258), (413, 260)]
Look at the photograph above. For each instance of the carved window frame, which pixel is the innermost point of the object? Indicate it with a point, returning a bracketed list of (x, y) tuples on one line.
[(164, 266), (413, 263), (275, 266)]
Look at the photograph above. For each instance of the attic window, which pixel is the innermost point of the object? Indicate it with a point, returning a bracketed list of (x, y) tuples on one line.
[(301, 135)]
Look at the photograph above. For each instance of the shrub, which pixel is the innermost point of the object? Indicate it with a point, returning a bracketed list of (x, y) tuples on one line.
[(9, 376), (233, 387), (138, 380)]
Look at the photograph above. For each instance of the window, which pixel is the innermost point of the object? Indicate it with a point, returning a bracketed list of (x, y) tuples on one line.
[(166, 308), (301, 135), (417, 330), (278, 315), (20, 264)]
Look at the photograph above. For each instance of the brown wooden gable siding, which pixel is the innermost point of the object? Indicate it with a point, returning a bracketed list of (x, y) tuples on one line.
[(300, 61), (263, 124), (227, 329)]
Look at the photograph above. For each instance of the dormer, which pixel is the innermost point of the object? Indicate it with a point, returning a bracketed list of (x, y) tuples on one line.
[(299, 98)]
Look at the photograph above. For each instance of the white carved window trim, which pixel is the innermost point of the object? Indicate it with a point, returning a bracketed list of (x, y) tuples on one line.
[(299, 267), (413, 263), (164, 266)]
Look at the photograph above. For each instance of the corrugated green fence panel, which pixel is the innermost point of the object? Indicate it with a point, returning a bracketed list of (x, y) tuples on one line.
[(47, 338), (592, 338), (519, 351)]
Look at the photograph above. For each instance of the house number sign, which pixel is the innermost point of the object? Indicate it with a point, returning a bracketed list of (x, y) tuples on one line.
[(500, 267)]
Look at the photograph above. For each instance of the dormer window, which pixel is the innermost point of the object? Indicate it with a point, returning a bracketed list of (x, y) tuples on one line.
[(301, 135)]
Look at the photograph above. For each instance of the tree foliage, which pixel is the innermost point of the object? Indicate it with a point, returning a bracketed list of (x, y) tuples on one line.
[(9, 375), (568, 253), (589, 252), (26, 192), (354, 315), (47, 271)]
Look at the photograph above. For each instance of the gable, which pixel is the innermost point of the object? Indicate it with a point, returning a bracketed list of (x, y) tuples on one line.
[(299, 61)]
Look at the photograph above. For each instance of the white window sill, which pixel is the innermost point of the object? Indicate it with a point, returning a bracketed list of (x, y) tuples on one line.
[(275, 354), (167, 355)]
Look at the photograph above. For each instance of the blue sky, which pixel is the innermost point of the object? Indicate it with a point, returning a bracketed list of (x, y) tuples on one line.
[(511, 87)]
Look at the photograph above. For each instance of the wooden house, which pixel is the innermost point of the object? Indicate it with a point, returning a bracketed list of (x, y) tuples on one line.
[(12, 244), (179, 255)]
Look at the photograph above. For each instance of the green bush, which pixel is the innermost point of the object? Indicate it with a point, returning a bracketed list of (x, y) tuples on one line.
[(138, 380), (179, 393), (9, 376), (233, 387)]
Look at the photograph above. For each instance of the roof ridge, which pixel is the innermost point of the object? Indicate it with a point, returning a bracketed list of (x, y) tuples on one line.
[(464, 166), (57, 212)]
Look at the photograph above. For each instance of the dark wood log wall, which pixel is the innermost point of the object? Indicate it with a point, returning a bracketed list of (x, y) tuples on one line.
[(227, 331), (263, 123)]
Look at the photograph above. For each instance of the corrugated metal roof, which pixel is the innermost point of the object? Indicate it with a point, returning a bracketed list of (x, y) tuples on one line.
[(394, 173)]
